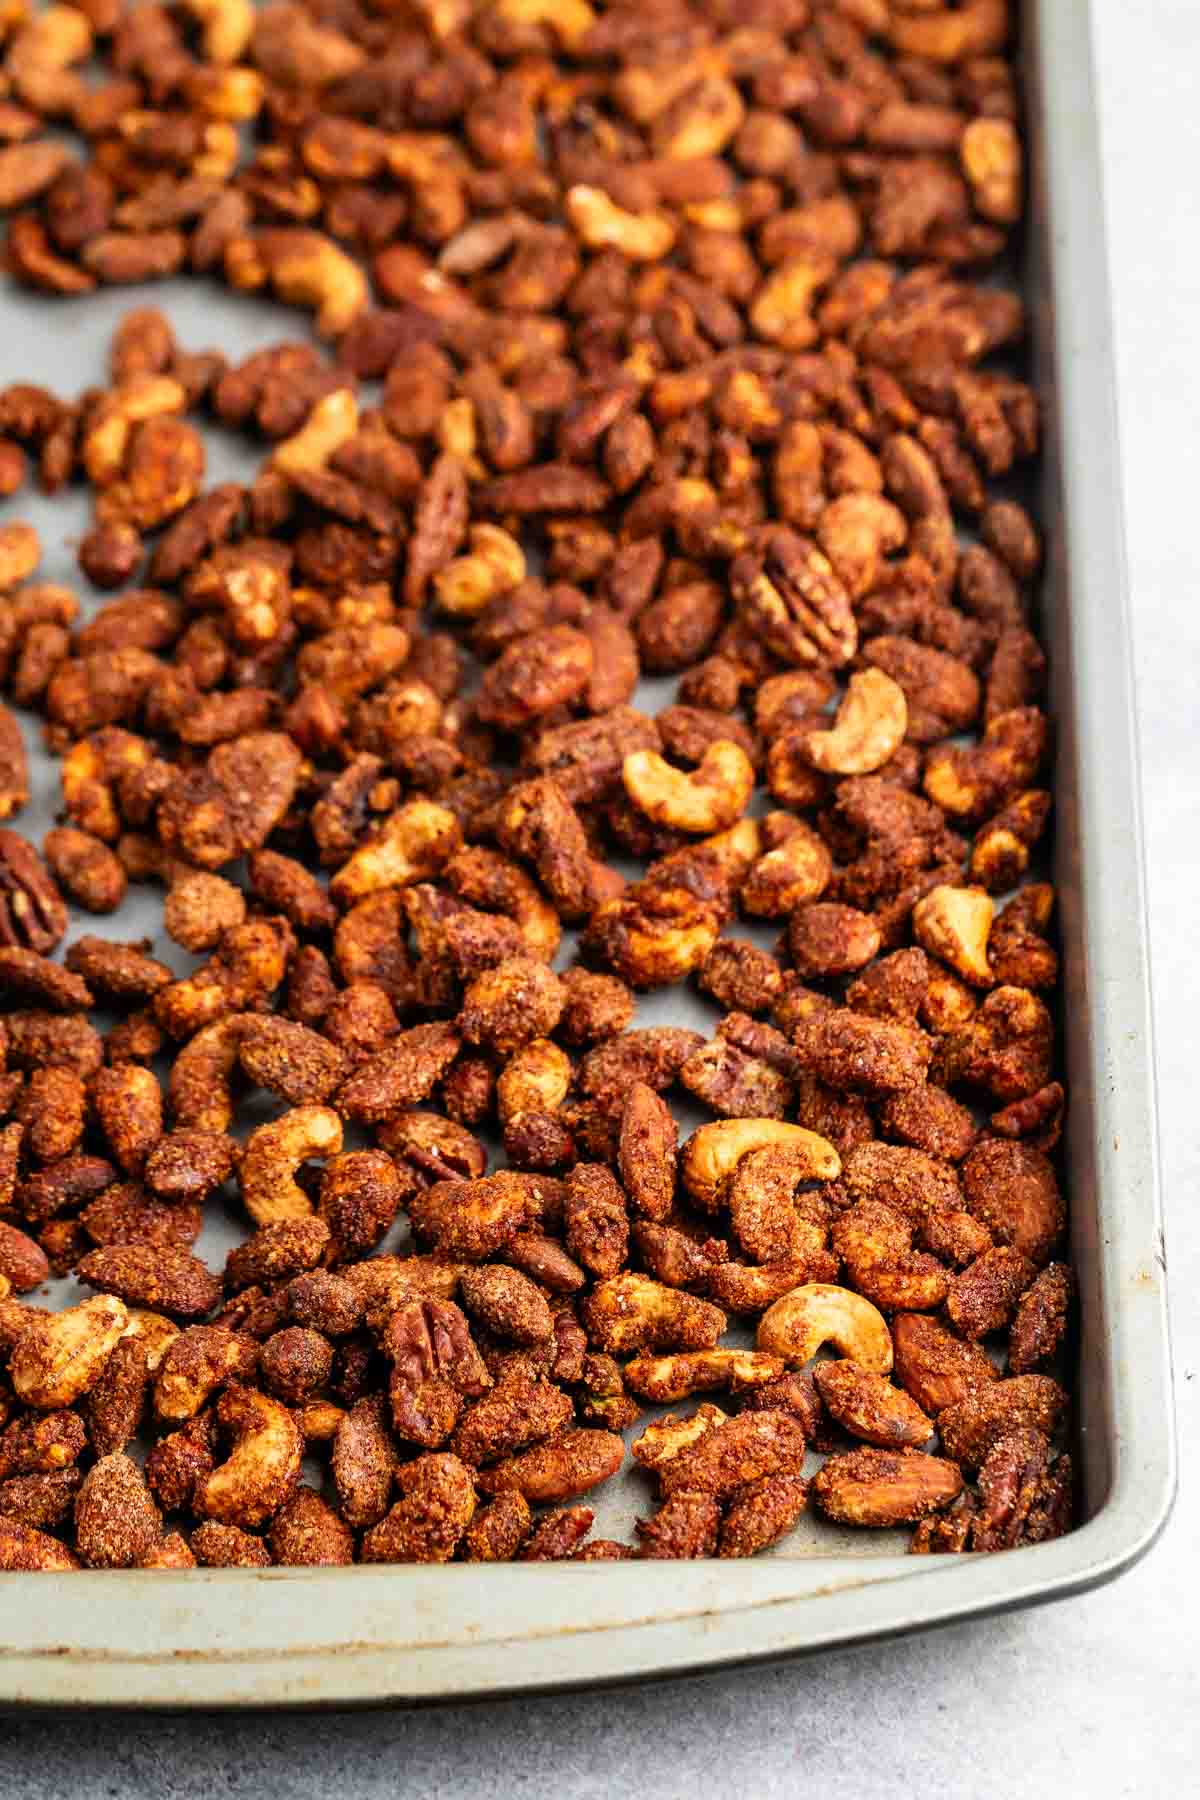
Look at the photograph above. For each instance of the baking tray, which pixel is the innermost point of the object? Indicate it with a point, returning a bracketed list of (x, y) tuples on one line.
[(311, 1637)]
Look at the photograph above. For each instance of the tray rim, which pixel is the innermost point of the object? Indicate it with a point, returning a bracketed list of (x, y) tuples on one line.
[(210, 1639)]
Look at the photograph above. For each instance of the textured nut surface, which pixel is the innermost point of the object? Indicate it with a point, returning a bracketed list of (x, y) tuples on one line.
[(818, 1313)]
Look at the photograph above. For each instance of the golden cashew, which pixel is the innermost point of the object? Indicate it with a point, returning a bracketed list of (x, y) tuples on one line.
[(536, 1079), (990, 154), (494, 565), (868, 730), (701, 121), (798, 1325), (978, 29), (226, 27), (198, 1089), (570, 20), (415, 843), (665, 1439), (797, 870), (59, 1356), (667, 1378), (781, 310), (307, 269), (632, 1312), (154, 1332), (332, 422), (704, 799), (484, 879), (954, 923), (227, 93), (713, 1152), (139, 398), (856, 531), (264, 1467), (275, 1151), (602, 225)]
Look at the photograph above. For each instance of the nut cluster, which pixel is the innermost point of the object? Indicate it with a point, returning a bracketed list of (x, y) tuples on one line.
[(663, 338)]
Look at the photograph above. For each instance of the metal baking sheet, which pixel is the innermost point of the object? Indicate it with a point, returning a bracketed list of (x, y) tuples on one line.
[(310, 1637)]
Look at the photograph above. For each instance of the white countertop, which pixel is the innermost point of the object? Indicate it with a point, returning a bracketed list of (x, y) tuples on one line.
[(1096, 1696)]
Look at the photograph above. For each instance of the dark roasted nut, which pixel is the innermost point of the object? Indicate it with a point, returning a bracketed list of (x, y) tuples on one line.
[(32, 914)]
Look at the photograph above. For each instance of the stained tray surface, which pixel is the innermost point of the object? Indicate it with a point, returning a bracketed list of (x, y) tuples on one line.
[(313, 1637)]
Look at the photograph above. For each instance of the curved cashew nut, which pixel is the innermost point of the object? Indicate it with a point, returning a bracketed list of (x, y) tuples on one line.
[(868, 730), (704, 799), (781, 310), (154, 1332), (485, 879), (797, 870), (227, 26), (275, 1151), (264, 1466), (332, 422), (667, 1378), (713, 1152), (415, 843), (856, 531), (59, 1356), (954, 923), (797, 1326), (494, 564), (642, 237), (198, 1089)]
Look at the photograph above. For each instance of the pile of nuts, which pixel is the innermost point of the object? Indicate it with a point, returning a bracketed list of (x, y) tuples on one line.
[(662, 338)]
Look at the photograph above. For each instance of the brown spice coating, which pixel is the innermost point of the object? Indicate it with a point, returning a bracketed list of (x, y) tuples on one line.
[(158, 1276), (277, 1252), (507, 1304), (984, 1297), (935, 1367), (969, 1429), (740, 1450), (116, 1521), (568, 1464), (290, 1060), (1012, 1188), (39, 1501), (121, 972), (647, 1151), (428, 1523), (870, 1408), (498, 1529), (86, 868), (883, 1487), (766, 1511), (1041, 1319), (307, 1533), (685, 1526), (218, 1546)]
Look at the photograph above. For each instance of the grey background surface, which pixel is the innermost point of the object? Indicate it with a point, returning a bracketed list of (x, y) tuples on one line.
[(1098, 1695)]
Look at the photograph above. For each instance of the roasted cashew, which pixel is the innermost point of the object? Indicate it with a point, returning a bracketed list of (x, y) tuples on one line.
[(139, 398), (332, 422), (797, 870), (868, 730), (198, 1089), (704, 799), (275, 1151), (798, 1325), (415, 843), (856, 531), (264, 1467), (713, 1152), (59, 1356), (667, 1378), (494, 564), (954, 923), (226, 25), (602, 225)]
